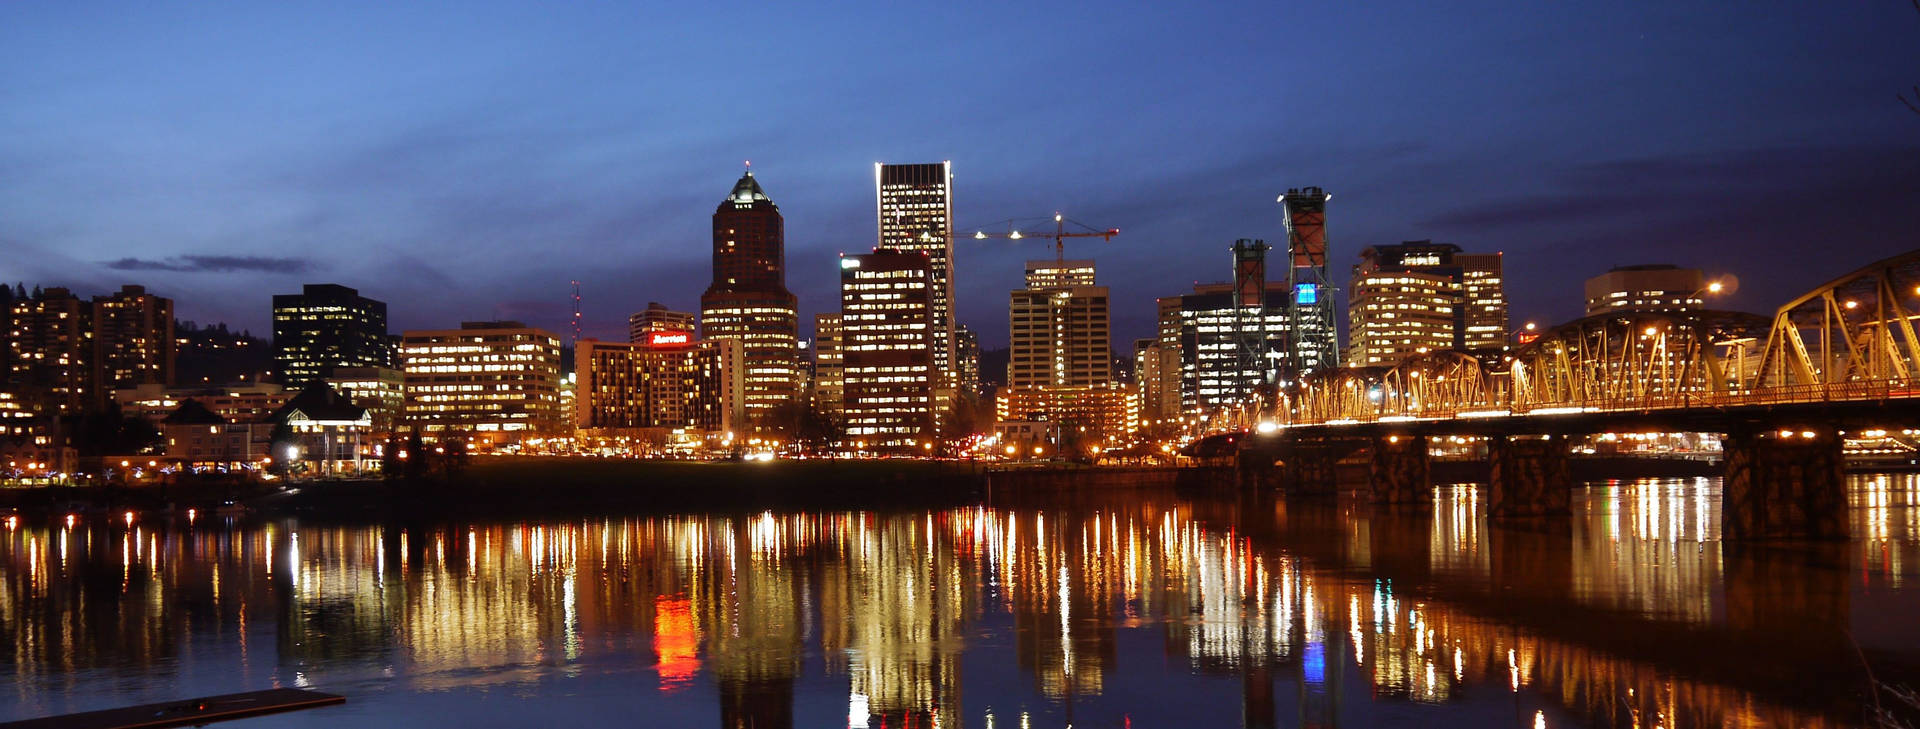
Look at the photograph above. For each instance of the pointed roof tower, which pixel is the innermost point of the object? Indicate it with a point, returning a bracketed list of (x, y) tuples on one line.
[(747, 191)]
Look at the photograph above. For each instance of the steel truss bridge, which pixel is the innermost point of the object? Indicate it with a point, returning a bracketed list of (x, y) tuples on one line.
[(1843, 357)]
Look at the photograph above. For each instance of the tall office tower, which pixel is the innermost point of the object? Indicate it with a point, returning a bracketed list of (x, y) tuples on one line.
[(51, 336), (1483, 291), (1059, 329), (886, 310), (1414, 298), (829, 365), (498, 380), (915, 206), (624, 389), (748, 299), (658, 318), (327, 326), (1650, 287), (1314, 342), (133, 340), (1172, 367), (1212, 372), (966, 359)]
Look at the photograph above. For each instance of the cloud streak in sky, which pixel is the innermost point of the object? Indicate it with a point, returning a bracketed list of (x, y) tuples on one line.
[(214, 264)]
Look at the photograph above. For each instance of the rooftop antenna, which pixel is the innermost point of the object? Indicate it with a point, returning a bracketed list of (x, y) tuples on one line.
[(576, 313)]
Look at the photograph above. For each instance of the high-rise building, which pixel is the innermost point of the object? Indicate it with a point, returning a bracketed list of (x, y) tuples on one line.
[(1059, 329), (51, 335), (1651, 287), (886, 310), (133, 340), (915, 207), (748, 299), (666, 382), (327, 326), (499, 380), (1213, 373), (1167, 336), (1314, 337), (658, 318), (70, 355), (1419, 297), (966, 360), (829, 364)]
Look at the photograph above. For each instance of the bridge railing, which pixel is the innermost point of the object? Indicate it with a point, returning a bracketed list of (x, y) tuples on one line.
[(1866, 391)]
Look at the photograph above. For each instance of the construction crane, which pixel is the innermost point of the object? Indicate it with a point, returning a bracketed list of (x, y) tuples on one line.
[(1059, 234)]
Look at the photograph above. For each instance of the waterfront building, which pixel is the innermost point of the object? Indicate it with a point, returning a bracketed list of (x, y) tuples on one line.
[(1650, 287), (1421, 296), (658, 318), (198, 437), (914, 204), (235, 402), (327, 326), (639, 390), (381, 390), (829, 365), (748, 299), (1096, 417), (886, 308), (499, 380), (330, 432)]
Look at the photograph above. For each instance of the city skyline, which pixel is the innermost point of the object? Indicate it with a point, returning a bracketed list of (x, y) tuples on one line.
[(467, 203)]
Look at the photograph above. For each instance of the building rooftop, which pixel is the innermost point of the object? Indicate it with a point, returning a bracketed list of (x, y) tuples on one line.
[(747, 191)]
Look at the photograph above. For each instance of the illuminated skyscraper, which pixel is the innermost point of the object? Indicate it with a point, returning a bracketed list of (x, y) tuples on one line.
[(1213, 331), (888, 347), (915, 207), (324, 327), (665, 382), (1421, 296), (748, 299)]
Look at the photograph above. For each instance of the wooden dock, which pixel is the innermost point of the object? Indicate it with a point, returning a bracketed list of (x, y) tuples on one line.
[(189, 712)]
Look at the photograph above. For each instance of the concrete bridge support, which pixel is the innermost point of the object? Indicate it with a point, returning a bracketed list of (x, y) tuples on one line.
[(1785, 484), (1528, 477), (1399, 473)]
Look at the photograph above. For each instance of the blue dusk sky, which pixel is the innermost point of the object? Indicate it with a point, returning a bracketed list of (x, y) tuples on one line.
[(465, 160)]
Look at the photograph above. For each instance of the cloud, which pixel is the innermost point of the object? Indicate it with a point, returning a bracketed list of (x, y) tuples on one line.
[(215, 264)]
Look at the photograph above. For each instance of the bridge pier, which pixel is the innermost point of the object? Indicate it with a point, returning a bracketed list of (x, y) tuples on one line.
[(1310, 470), (1528, 477), (1784, 484), (1399, 472)]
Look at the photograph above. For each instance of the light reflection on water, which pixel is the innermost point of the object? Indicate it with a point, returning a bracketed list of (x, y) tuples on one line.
[(1155, 609)]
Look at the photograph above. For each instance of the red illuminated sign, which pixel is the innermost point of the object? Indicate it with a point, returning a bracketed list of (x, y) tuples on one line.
[(659, 338)]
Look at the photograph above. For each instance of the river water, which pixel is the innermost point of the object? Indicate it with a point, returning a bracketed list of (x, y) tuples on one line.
[(1124, 610)]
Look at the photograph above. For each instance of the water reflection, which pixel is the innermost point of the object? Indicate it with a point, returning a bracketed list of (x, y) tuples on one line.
[(1632, 613)]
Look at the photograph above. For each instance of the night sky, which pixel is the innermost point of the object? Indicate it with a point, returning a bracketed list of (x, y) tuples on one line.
[(465, 160)]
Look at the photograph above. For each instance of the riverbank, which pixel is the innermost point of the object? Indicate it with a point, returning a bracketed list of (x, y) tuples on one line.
[(523, 486)]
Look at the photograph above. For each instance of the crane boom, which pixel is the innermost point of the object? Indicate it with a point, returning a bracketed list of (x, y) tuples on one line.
[(1058, 235)]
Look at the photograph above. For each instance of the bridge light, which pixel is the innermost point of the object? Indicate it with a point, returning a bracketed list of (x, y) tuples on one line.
[(1714, 288), (1786, 434), (1852, 304), (1806, 434)]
